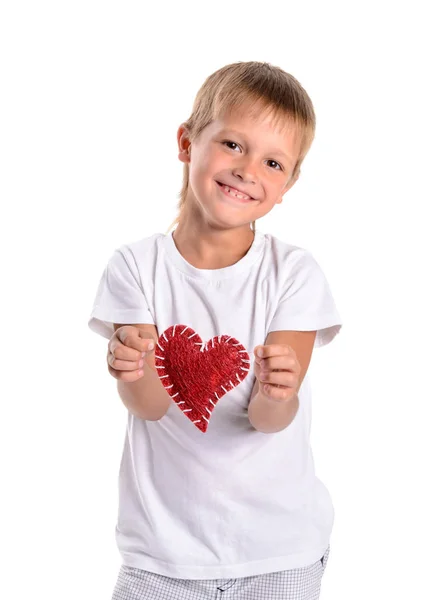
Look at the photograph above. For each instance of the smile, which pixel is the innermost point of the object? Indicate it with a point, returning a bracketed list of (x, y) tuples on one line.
[(232, 192)]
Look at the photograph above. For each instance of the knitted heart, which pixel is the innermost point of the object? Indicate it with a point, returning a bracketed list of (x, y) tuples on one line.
[(197, 374)]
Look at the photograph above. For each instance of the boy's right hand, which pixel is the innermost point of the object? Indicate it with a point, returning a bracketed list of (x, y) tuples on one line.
[(125, 359)]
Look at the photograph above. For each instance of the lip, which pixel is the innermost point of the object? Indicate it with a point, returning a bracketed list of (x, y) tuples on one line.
[(236, 188)]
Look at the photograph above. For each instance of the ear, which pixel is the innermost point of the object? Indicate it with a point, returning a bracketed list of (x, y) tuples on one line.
[(183, 144), (288, 186)]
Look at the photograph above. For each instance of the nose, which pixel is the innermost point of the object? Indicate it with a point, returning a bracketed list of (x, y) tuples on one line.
[(246, 171)]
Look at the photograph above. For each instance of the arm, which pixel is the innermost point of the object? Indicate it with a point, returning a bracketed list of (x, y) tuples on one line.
[(146, 397), (287, 355)]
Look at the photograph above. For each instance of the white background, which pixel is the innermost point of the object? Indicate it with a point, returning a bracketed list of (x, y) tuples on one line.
[(92, 96)]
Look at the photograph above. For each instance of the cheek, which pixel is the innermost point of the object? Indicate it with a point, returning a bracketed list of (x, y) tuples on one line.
[(203, 164), (201, 177), (198, 169), (276, 188), (217, 158)]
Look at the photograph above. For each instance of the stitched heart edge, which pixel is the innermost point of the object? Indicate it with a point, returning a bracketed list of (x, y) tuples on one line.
[(201, 424)]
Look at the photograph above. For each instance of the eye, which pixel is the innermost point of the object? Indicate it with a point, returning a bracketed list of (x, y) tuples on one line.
[(229, 142), (276, 163), (280, 168)]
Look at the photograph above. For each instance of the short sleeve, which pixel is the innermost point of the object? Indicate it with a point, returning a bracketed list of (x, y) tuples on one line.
[(306, 303), (120, 297)]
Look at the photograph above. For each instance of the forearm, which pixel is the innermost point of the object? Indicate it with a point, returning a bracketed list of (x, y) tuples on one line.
[(145, 398), (270, 416)]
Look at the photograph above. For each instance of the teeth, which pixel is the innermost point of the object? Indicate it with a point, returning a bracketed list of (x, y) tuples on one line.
[(237, 194)]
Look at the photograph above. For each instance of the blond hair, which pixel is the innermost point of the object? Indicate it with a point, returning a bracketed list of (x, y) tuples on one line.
[(262, 84)]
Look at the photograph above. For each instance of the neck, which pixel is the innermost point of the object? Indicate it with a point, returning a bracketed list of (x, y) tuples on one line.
[(207, 248)]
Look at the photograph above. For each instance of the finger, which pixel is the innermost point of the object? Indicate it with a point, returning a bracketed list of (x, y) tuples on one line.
[(124, 365), (131, 337), (122, 352), (272, 350), (276, 364), (284, 378), (126, 376), (281, 394), (284, 363)]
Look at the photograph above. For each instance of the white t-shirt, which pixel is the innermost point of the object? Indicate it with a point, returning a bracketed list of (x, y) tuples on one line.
[(231, 502)]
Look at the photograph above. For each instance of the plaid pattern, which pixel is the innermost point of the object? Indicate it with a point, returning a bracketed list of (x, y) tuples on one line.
[(295, 584)]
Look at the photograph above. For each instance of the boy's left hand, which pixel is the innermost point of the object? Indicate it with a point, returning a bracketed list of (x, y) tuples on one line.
[(277, 371)]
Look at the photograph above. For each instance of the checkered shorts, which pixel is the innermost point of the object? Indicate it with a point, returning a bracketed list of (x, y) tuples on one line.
[(295, 584)]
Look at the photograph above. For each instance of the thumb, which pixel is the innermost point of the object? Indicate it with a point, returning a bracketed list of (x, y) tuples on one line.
[(146, 335)]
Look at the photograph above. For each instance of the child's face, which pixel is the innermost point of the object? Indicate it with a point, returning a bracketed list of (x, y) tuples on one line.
[(243, 153)]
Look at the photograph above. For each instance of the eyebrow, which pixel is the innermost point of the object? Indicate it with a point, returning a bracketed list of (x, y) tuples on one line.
[(240, 134)]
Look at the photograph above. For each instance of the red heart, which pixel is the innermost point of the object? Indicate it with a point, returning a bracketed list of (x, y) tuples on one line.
[(197, 374)]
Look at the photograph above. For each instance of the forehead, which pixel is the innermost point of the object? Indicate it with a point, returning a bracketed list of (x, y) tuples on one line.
[(259, 124), (255, 118)]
